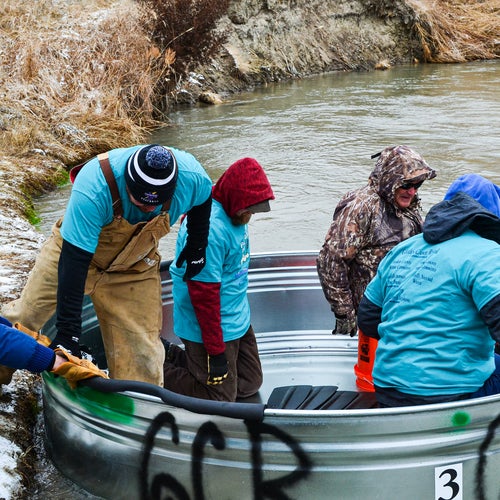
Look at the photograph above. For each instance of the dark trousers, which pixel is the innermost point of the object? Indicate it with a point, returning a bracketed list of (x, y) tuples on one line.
[(186, 371), (388, 397)]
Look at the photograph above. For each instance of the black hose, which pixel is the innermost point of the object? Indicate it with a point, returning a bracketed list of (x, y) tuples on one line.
[(243, 411)]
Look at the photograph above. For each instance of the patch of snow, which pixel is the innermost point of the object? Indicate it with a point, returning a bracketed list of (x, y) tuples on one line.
[(10, 482)]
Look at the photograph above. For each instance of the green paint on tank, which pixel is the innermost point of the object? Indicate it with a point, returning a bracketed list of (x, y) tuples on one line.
[(110, 406), (461, 418)]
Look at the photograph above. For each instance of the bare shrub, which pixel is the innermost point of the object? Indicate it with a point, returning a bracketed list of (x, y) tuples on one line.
[(185, 31)]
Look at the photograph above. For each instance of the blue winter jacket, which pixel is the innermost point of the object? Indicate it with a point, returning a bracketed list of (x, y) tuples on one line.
[(20, 351)]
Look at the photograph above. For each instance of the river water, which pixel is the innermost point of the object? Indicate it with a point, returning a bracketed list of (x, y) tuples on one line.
[(314, 138)]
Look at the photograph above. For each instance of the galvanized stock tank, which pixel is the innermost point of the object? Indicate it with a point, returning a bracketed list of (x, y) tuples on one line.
[(308, 434)]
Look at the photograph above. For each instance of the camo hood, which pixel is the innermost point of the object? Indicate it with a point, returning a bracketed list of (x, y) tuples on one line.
[(395, 166)]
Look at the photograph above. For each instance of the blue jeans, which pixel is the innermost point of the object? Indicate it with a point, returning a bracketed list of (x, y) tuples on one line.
[(492, 384)]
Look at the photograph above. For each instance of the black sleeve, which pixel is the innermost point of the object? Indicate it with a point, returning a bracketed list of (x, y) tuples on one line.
[(198, 224), (369, 317), (491, 316), (72, 273)]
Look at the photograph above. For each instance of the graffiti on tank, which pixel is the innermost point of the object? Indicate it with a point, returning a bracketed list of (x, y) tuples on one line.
[(165, 485), (482, 462)]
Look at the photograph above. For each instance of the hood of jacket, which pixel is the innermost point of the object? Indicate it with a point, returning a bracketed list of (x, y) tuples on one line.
[(452, 217), (242, 185), (480, 188), (395, 166)]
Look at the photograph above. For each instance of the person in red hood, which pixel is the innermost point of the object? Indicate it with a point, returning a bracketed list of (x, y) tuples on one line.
[(220, 360)]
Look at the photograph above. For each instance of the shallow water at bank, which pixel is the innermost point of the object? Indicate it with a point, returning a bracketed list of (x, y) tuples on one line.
[(315, 137)]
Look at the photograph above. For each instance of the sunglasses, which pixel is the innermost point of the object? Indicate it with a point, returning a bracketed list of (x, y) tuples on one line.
[(409, 185)]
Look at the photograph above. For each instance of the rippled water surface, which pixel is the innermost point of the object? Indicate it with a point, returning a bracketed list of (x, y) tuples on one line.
[(314, 137)]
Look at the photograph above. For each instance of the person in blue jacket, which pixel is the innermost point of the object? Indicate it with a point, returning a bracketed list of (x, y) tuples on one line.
[(211, 312), (21, 348), (106, 246), (20, 351), (434, 304)]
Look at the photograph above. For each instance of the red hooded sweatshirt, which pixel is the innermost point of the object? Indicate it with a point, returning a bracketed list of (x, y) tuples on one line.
[(242, 185)]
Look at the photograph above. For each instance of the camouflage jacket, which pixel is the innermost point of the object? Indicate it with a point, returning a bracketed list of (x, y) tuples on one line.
[(367, 223)]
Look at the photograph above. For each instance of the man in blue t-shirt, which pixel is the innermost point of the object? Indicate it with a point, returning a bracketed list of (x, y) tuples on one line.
[(211, 311), (106, 246), (434, 303)]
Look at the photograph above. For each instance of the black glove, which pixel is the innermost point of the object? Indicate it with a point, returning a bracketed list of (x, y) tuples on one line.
[(217, 369), (195, 261), (194, 252), (68, 343), (72, 273), (168, 354), (345, 326)]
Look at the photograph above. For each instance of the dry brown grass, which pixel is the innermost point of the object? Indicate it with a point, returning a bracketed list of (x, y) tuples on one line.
[(459, 30), (75, 79)]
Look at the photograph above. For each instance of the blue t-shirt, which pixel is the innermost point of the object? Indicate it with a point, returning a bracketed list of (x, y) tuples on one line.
[(90, 207), (433, 340), (227, 262)]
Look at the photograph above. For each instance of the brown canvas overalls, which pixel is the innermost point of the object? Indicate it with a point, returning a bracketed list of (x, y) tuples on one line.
[(124, 284)]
